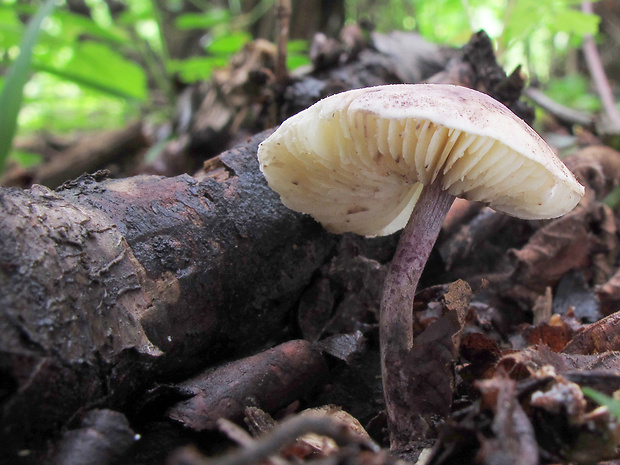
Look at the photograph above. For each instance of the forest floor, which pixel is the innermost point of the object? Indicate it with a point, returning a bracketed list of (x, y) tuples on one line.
[(168, 308)]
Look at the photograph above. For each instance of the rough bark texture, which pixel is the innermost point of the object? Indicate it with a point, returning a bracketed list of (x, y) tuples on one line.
[(269, 380), (107, 284)]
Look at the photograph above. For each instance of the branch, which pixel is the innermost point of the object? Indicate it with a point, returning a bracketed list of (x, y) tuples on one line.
[(105, 285), (562, 113), (597, 72)]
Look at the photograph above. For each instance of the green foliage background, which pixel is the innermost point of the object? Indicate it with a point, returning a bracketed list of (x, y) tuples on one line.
[(101, 71)]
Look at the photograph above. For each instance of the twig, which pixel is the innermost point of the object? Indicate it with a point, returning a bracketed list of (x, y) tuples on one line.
[(235, 432), (561, 112), (283, 15), (288, 431), (243, 438), (597, 72)]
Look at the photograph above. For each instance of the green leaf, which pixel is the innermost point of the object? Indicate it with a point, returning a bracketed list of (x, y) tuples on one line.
[(196, 69), (573, 91), (443, 21), (612, 404), (525, 16), (204, 20), (97, 66), (575, 22), (295, 61), (612, 200), (11, 28), (26, 159), (74, 26), (299, 46), (13, 89), (297, 54), (229, 43), (53, 104)]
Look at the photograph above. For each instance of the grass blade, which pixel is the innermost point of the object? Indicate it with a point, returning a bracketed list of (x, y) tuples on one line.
[(12, 91), (612, 404)]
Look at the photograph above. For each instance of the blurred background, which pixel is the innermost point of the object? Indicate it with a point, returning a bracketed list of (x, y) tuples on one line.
[(102, 64)]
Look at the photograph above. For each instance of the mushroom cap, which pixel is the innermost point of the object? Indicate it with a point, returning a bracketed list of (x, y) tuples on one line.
[(357, 161)]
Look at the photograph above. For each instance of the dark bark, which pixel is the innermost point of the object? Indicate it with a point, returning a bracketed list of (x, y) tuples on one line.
[(106, 285), (308, 18), (269, 380)]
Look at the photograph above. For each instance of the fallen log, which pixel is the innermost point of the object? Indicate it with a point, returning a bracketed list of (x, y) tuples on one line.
[(106, 284)]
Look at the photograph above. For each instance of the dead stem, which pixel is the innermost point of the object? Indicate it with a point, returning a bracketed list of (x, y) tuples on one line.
[(597, 72)]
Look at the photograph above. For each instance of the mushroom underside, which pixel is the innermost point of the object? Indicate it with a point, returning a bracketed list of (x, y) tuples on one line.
[(369, 185)]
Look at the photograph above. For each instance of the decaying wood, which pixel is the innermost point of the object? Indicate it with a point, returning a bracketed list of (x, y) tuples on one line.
[(269, 380), (89, 154), (107, 283)]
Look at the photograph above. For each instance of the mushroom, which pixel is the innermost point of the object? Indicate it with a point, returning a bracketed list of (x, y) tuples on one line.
[(375, 160)]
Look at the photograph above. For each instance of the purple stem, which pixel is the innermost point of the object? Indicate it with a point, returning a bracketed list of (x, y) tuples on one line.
[(396, 321)]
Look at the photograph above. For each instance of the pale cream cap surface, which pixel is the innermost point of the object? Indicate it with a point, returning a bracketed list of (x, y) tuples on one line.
[(357, 161)]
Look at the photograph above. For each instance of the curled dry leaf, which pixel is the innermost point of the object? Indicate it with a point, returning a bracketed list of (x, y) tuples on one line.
[(598, 167), (434, 353), (579, 240), (609, 294), (550, 329), (323, 446), (584, 240), (534, 415), (525, 363), (555, 336), (481, 352), (553, 250), (512, 438), (566, 426), (599, 337)]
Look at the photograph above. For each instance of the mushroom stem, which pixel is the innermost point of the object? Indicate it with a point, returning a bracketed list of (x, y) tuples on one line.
[(396, 321)]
